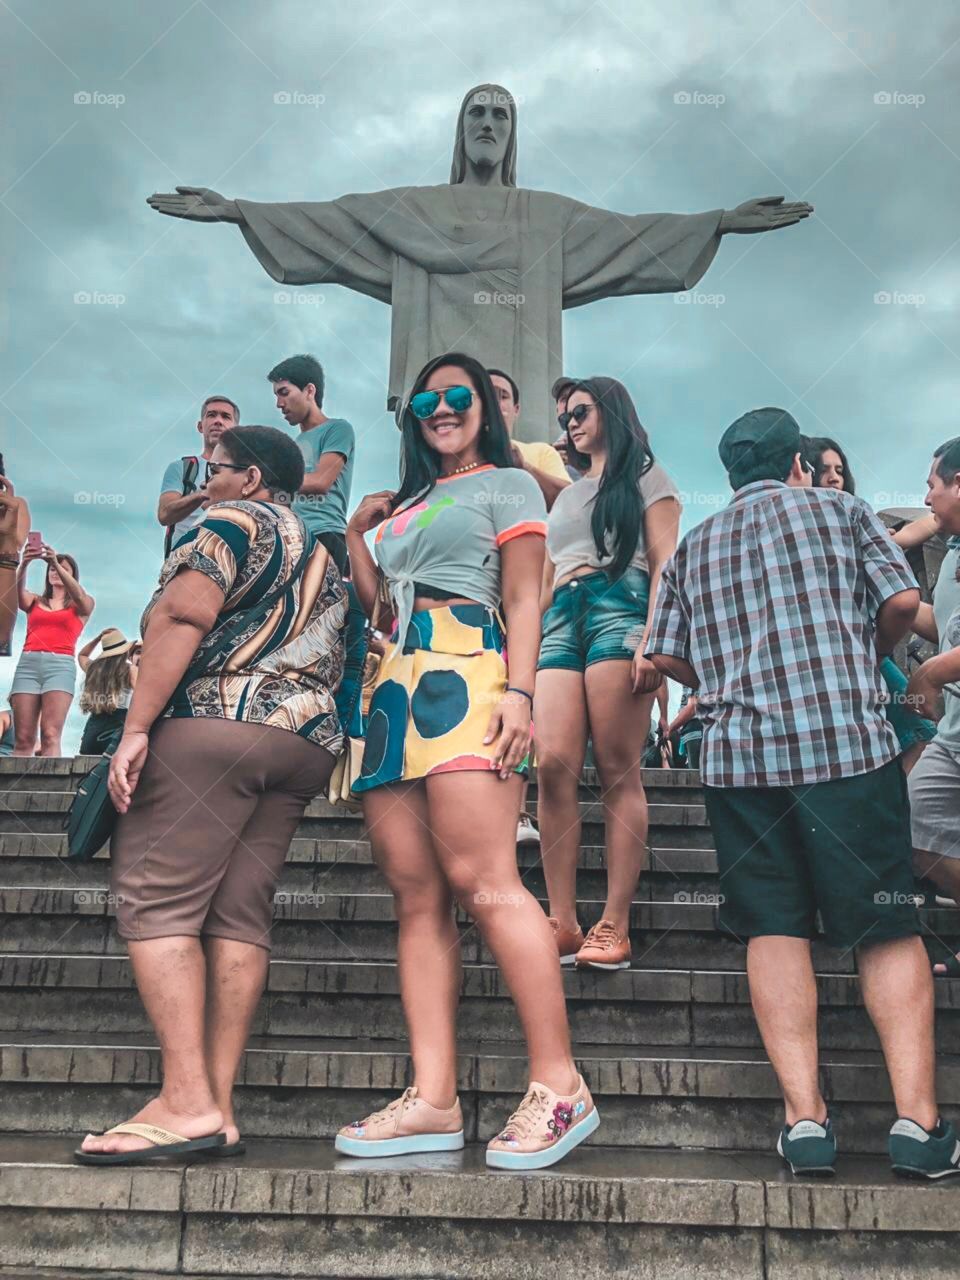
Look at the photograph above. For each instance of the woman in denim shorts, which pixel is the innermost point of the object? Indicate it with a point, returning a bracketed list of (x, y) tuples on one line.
[(608, 535)]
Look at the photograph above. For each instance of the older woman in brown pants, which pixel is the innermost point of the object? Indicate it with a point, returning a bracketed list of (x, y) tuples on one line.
[(211, 778)]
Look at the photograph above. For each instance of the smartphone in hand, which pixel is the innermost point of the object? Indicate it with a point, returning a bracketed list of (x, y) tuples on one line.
[(34, 541)]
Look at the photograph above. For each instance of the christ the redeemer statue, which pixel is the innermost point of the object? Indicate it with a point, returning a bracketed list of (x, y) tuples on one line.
[(480, 264)]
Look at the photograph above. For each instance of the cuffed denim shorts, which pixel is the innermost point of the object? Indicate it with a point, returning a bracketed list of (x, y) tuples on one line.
[(594, 619), (41, 673)]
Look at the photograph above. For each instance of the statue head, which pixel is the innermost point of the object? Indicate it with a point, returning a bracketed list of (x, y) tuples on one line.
[(486, 134)]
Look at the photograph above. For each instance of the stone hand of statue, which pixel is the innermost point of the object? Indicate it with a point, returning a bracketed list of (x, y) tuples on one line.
[(196, 204), (768, 213)]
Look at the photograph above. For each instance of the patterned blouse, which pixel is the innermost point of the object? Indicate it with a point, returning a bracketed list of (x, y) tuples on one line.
[(284, 672)]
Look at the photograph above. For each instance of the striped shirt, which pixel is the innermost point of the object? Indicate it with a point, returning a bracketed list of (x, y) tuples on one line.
[(772, 601), (284, 671)]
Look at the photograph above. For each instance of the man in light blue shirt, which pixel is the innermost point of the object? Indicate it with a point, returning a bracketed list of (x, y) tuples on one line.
[(183, 501), (327, 445)]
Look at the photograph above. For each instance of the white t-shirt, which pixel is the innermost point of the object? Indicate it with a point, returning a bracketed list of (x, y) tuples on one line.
[(570, 543)]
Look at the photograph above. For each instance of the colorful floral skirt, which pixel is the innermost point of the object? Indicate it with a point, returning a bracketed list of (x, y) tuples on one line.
[(434, 696)]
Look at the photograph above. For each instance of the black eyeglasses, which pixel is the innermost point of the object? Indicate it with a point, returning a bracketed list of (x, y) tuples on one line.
[(574, 415), (214, 468)]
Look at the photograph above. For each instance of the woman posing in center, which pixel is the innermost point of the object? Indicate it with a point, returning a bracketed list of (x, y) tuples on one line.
[(447, 733), (607, 537)]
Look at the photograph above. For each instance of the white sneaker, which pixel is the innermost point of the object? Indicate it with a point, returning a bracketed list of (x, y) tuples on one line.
[(527, 833)]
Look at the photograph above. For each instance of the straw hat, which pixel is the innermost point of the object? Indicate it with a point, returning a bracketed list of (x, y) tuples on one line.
[(113, 643)]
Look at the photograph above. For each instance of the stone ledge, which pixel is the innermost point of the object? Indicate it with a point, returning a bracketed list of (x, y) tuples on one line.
[(595, 1185)]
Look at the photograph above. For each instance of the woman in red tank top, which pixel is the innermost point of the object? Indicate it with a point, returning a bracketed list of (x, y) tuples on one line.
[(43, 684)]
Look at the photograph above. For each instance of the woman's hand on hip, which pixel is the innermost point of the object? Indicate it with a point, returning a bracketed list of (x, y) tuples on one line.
[(509, 730), (125, 769)]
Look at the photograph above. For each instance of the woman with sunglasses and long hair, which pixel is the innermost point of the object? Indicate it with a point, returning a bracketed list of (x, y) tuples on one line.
[(607, 537), (448, 730)]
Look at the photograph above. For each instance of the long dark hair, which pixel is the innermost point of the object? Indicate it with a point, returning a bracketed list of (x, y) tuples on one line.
[(618, 507), (419, 464), (819, 446), (47, 589)]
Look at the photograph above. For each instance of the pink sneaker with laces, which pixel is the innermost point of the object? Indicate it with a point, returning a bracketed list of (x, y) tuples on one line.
[(544, 1128), (406, 1126)]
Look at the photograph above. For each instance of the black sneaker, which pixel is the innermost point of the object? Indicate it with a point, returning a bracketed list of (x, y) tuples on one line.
[(810, 1149), (916, 1152)]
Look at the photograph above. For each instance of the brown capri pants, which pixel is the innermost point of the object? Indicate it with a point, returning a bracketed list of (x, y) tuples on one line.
[(202, 846)]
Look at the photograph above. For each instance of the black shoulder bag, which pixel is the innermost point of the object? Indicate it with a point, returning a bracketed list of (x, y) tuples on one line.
[(90, 821)]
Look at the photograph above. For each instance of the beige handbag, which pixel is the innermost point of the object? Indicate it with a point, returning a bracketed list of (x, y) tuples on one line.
[(347, 769)]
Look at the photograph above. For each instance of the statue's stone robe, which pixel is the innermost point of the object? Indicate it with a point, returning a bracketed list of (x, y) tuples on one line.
[(485, 270)]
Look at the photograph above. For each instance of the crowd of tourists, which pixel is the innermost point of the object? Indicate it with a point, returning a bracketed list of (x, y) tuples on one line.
[(527, 603)]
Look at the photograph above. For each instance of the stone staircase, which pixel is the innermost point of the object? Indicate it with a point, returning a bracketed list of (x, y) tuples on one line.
[(680, 1180)]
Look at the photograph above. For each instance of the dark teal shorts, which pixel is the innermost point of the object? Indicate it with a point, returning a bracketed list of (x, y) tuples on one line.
[(841, 848), (594, 619)]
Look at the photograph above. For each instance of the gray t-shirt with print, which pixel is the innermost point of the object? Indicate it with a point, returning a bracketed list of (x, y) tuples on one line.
[(450, 538)]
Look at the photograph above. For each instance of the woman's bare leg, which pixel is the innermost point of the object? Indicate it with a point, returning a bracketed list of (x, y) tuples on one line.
[(473, 816), (428, 945), (560, 720), (620, 723)]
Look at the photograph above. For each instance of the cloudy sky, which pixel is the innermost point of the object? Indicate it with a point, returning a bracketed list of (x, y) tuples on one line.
[(848, 320)]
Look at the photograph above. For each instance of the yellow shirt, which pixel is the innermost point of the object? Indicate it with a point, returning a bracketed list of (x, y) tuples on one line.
[(544, 457)]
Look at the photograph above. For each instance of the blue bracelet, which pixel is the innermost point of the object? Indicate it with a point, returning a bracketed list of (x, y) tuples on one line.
[(513, 689)]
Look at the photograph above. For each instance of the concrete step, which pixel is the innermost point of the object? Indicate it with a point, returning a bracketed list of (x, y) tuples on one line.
[(72, 993), (44, 811), (298, 1209), (325, 926), (63, 774), (650, 1095)]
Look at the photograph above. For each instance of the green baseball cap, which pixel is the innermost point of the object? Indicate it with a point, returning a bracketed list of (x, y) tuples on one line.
[(758, 433)]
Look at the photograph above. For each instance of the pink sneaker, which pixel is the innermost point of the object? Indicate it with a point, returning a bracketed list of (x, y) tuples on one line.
[(405, 1126), (544, 1128)]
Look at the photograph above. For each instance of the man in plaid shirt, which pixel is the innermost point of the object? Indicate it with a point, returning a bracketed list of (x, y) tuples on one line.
[(775, 610)]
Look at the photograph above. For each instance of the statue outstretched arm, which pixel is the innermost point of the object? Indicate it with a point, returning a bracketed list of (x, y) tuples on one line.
[(196, 204), (767, 213)]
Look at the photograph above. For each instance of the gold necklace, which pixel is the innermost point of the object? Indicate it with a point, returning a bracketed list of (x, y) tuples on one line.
[(471, 466)]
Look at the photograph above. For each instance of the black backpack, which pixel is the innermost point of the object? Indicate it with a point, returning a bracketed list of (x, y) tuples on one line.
[(191, 469)]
